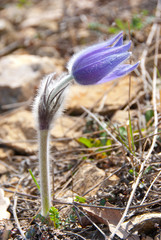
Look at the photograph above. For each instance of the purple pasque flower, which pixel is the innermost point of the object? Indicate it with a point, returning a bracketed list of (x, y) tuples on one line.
[(102, 62)]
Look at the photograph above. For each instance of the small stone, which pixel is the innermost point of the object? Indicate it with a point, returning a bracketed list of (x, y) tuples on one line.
[(3, 169), (5, 26), (140, 37), (19, 76), (18, 132), (5, 153), (4, 203), (122, 116), (87, 177), (113, 95)]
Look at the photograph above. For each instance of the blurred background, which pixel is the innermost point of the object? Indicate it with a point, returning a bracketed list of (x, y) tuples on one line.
[(39, 37)]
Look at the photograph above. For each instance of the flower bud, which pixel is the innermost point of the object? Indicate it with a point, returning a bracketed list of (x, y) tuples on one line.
[(102, 62), (49, 102)]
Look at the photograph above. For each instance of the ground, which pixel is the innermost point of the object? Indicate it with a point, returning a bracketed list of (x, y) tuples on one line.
[(105, 148)]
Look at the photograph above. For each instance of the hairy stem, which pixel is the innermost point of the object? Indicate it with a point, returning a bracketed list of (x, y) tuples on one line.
[(44, 171), (64, 82)]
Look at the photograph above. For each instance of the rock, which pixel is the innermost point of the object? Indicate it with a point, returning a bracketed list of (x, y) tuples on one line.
[(39, 16), (13, 13), (17, 131), (19, 76), (3, 169), (7, 33), (65, 127), (140, 37), (104, 98), (122, 116), (144, 223), (4, 204), (87, 176), (5, 26), (5, 153)]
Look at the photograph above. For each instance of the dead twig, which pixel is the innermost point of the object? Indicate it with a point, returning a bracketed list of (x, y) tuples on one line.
[(95, 186), (144, 55), (16, 219), (58, 201), (101, 124), (94, 105), (78, 209), (75, 234), (15, 214), (21, 194), (10, 48), (147, 192)]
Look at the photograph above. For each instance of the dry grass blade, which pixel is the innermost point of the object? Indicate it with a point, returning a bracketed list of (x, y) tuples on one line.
[(95, 186), (145, 75), (75, 234), (14, 211), (101, 124), (16, 219)]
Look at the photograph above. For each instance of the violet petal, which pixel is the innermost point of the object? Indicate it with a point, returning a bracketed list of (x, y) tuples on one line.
[(119, 42), (92, 50), (119, 71), (93, 73), (92, 58)]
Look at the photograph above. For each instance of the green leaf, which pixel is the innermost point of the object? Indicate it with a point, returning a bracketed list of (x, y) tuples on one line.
[(103, 138), (132, 172), (148, 115), (108, 142), (121, 24), (136, 23), (145, 12), (87, 142), (80, 199), (131, 134), (113, 30), (123, 132), (97, 143), (23, 3), (34, 179), (102, 202), (147, 170), (54, 216), (96, 26)]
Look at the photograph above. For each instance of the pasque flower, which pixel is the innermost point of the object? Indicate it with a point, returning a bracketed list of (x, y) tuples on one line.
[(49, 101), (101, 62), (47, 106), (97, 64)]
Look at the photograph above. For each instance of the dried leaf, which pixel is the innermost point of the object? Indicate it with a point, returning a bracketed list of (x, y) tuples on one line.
[(103, 215), (109, 217)]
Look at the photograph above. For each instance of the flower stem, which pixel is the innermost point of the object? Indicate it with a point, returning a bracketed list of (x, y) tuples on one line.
[(64, 82), (44, 171), (47, 106)]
